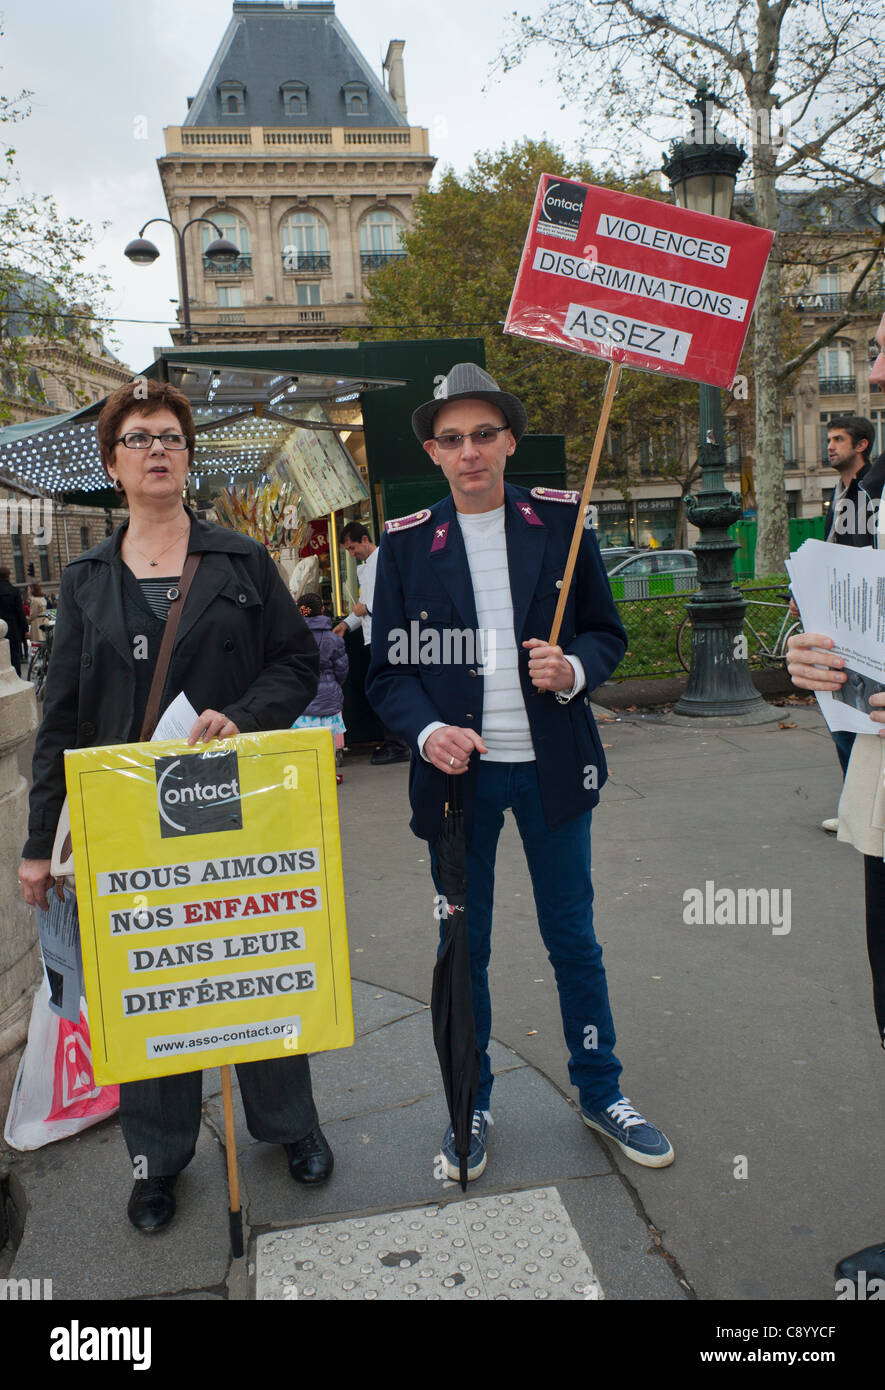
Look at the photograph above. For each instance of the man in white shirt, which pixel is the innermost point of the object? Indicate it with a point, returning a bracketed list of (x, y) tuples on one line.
[(464, 591), (356, 540)]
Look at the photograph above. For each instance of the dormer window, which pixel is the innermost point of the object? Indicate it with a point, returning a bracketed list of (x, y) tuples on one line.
[(294, 96), (356, 98), (232, 98)]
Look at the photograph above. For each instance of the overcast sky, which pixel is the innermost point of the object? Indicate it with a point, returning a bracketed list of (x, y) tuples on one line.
[(104, 71)]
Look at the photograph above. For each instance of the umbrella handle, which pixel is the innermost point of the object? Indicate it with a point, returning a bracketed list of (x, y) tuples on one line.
[(453, 794)]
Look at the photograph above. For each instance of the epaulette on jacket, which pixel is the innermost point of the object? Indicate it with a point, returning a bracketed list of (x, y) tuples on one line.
[(554, 494), (405, 523)]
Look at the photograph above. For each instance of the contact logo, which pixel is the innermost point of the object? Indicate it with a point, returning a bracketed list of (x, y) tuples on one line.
[(562, 209), (198, 794)]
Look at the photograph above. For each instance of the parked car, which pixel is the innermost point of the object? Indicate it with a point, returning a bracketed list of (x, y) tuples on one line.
[(613, 554), (654, 572), (646, 562)]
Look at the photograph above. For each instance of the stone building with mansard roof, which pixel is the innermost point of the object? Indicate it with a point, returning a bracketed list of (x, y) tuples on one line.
[(304, 157)]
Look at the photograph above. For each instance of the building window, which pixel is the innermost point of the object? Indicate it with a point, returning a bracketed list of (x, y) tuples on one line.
[(877, 418), (229, 296), (307, 292), (305, 242), (233, 228), (45, 572), (356, 98), (835, 369), (789, 444), (294, 95), (828, 280), (232, 98), (380, 234), (84, 537), (18, 559)]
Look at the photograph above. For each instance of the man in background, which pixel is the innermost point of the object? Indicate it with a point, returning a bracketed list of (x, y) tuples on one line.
[(355, 539)]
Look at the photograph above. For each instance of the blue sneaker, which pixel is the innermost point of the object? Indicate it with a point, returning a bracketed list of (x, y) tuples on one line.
[(476, 1159), (632, 1133)]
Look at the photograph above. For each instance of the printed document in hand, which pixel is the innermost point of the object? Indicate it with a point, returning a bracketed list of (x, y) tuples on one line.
[(840, 590), (176, 721)]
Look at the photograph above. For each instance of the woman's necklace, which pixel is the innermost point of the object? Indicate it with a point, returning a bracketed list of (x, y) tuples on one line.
[(154, 563)]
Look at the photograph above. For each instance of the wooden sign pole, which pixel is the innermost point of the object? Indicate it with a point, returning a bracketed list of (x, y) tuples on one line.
[(611, 386)]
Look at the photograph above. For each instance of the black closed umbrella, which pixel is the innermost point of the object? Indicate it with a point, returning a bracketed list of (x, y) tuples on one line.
[(451, 1000)]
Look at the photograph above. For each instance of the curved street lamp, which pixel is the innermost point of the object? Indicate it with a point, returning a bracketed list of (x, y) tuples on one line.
[(703, 171), (220, 252)]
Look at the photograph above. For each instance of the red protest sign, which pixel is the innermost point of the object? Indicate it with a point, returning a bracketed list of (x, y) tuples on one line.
[(638, 282)]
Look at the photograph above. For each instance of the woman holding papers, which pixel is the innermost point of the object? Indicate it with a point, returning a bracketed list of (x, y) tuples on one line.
[(242, 656), (813, 665)]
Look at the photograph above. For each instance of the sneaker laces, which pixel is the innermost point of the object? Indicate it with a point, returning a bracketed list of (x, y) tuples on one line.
[(625, 1114)]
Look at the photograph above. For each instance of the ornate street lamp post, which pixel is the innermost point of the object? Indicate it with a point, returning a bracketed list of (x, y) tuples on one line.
[(220, 252), (703, 172)]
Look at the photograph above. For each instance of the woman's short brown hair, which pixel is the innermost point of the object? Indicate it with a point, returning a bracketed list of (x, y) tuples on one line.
[(142, 397)]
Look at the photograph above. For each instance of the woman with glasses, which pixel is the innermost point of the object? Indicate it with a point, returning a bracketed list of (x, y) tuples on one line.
[(243, 656)]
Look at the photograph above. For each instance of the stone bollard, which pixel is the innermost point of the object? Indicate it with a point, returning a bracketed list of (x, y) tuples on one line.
[(20, 965)]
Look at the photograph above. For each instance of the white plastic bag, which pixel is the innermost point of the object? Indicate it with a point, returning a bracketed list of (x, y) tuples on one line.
[(55, 1094)]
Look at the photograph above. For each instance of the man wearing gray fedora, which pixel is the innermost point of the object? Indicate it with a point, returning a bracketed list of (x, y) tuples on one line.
[(460, 668)]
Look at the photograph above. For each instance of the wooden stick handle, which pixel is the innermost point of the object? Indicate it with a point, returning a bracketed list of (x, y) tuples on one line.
[(230, 1142), (611, 386), (233, 1180)]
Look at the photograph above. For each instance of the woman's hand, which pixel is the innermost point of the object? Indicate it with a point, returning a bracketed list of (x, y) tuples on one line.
[(210, 725), (812, 664), (35, 881)]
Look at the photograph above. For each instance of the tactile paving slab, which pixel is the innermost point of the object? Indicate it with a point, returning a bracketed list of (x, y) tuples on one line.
[(518, 1245)]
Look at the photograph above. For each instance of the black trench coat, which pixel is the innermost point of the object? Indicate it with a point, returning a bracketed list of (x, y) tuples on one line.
[(242, 647)]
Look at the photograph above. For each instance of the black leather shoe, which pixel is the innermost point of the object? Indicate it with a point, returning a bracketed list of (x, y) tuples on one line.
[(389, 753), (871, 1260), (152, 1205), (310, 1159)]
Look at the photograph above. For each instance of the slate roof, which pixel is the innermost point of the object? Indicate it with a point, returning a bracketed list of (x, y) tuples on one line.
[(269, 44)]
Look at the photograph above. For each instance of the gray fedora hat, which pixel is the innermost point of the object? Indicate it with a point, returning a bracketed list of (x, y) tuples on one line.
[(467, 381)]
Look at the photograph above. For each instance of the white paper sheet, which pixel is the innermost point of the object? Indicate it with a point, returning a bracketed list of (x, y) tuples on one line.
[(177, 721), (840, 591)]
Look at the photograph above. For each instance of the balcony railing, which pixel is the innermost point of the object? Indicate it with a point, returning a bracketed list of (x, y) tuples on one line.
[(836, 385), (300, 142), (241, 266), (313, 261), (311, 316), (836, 303), (377, 260)]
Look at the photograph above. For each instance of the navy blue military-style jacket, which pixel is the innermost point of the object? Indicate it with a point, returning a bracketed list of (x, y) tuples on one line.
[(423, 587)]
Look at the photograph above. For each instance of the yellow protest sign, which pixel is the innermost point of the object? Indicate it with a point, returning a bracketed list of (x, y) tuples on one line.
[(211, 902)]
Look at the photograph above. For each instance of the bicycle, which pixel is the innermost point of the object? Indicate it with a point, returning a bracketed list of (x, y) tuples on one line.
[(761, 653), (39, 662)]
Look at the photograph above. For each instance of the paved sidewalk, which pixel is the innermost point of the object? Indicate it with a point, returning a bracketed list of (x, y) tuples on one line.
[(755, 1051), (383, 1112)]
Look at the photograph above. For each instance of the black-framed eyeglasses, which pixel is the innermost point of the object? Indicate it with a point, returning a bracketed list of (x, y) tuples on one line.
[(477, 437), (141, 439)]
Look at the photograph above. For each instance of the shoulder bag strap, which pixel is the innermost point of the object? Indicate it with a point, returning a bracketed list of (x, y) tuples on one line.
[(152, 711)]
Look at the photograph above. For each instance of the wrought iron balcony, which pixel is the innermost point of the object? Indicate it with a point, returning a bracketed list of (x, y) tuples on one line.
[(837, 385), (377, 260), (241, 266), (812, 302), (312, 261)]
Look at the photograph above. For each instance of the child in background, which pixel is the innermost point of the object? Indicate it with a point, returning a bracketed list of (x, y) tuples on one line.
[(324, 712)]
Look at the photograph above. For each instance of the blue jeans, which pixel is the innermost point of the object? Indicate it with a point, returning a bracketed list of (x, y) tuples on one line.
[(559, 865)]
